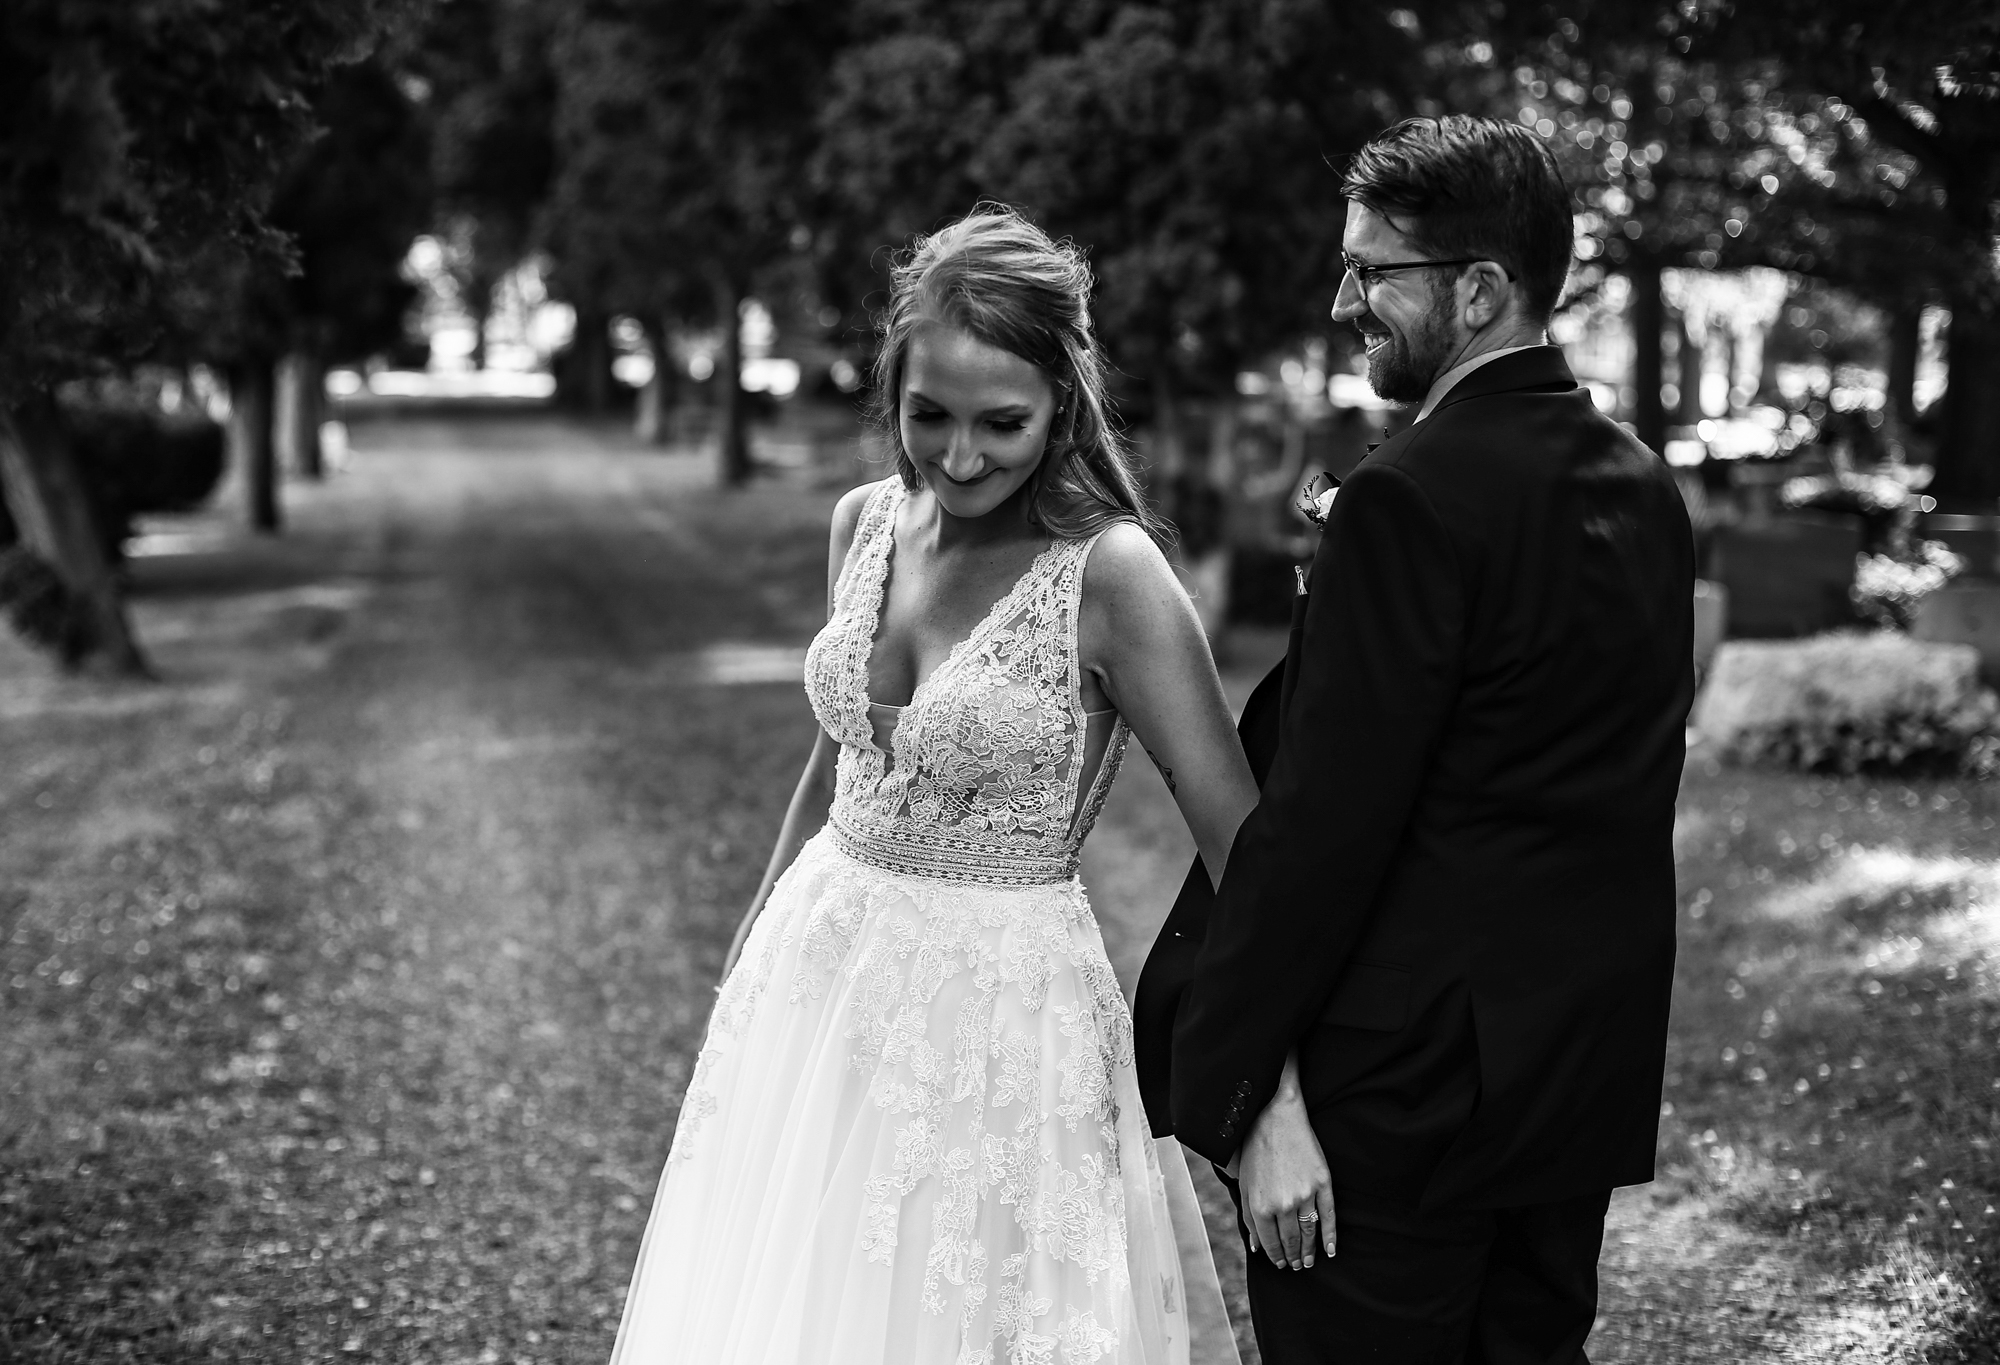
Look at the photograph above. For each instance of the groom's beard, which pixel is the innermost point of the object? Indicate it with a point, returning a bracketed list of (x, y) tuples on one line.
[(1402, 370)]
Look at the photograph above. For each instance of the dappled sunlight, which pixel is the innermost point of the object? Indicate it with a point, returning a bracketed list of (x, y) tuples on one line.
[(1692, 828), (1876, 883), (1886, 911), (1827, 1189), (1973, 933), (1901, 1307), (1666, 1265), (1799, 1283)]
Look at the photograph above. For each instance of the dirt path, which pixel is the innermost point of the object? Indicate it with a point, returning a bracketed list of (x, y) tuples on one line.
[(425, 853)]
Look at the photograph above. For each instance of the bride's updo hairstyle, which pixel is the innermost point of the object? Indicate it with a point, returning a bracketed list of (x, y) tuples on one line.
[(998, 277)]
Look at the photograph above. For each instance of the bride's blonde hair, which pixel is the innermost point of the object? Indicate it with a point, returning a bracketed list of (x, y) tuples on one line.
[(1000, 278)]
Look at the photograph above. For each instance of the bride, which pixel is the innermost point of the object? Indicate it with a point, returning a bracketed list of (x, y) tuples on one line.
[(914, 1133)]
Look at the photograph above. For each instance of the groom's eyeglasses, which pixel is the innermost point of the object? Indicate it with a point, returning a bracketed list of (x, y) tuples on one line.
[(1368, 276)]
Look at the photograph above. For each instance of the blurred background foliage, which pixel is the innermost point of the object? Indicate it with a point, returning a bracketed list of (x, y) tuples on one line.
[(697, 185)]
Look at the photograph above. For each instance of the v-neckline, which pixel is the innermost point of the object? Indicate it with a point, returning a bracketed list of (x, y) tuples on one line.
[(958, 650)]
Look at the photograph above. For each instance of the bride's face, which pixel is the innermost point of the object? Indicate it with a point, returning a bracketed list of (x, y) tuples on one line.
[(974, 418)]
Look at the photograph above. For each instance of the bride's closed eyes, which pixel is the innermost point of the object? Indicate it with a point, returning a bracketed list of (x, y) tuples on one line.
[(1005, 426)]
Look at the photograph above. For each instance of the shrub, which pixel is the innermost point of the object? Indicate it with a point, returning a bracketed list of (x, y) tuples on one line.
[(1852, 702), (1888, 588), (136, 460), (38, 606)]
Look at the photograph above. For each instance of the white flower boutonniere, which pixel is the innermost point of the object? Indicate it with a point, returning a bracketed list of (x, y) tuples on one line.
[(1316, 498)]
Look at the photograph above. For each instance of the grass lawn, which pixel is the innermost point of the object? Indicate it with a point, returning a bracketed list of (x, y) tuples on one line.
[(1828, 1176), (351, 975), (1826, 1163)]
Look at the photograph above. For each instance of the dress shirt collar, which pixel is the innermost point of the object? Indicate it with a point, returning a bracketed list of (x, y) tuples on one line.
[(1446, 381)]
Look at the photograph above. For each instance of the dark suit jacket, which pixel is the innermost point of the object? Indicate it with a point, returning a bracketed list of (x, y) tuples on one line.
[(1456, 896)]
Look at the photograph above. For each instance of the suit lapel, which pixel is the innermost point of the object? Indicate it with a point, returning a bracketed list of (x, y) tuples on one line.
[(1379, 450), (1539, 369)]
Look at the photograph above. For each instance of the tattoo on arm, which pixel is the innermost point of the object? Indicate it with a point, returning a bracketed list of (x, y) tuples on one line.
[(1165, 771)]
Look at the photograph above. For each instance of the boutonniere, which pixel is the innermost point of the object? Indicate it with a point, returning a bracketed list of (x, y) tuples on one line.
[(1316, 498)]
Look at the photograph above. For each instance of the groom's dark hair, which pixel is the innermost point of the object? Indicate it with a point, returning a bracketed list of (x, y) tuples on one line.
[(1479, 187)]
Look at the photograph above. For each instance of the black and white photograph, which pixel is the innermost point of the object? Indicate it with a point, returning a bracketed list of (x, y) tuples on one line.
[(999, 682)]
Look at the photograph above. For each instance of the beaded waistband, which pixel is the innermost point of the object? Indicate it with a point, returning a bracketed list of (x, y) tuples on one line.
[(928, 851)]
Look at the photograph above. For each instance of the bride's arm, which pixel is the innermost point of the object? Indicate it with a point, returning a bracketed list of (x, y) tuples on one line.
[(811, 800), (813, 797), (1142, 641)]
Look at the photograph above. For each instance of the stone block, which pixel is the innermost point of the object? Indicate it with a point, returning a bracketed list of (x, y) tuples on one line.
[(1965, 613), (1788, 576), (1756, 687)]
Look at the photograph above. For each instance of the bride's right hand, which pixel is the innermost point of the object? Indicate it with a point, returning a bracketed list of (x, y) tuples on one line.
[(1287, 1189)]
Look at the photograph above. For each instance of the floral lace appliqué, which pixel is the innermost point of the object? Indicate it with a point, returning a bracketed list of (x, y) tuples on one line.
[(941, 927), (981, 781)]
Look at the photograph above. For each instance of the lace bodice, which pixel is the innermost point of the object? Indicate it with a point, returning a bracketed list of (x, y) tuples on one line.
[(983, 777)]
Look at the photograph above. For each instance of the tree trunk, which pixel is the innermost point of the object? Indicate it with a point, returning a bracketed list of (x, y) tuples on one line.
[(656, 399), (1222, 444), (481, 304), (251, 385), (52, 512), (300, 404), (583, 380), (1732, 353), (733, 448), (1691, 366), (1968, 448), (1169, 452), (1905, 340), (1649, 321), (596, 361)]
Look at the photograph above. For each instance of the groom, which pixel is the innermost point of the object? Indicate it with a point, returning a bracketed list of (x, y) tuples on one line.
[(1442, 951)]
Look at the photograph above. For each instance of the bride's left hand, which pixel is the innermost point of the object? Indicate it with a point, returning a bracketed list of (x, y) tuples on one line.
[(1287, 1190)]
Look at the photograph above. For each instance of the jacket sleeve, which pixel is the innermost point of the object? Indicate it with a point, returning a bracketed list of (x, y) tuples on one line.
[(1378, 671)]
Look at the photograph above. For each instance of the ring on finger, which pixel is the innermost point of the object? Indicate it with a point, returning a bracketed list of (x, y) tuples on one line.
[(1309, 1216)]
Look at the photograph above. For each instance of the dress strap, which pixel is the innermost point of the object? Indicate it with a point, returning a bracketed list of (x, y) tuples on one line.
[(877, 522), (1069, 578), (1069, 571)]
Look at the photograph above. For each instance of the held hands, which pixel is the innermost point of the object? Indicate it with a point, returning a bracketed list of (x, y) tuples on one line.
[(1287, 1189)]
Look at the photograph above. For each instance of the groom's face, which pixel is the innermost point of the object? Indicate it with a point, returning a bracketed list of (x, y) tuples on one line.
[(1409, 319)]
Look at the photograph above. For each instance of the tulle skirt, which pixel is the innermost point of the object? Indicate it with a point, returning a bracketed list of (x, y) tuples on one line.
[(913, 1136)]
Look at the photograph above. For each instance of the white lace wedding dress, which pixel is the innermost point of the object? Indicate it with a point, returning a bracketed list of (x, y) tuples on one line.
[(914, 1134)]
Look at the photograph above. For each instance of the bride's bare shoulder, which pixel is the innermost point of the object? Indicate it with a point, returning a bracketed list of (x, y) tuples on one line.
[(847, 514), (1126, 562), (1131, 595)]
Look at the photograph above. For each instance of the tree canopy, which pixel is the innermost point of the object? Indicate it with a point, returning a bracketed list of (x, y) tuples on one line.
[(138, 139), (143, 145)]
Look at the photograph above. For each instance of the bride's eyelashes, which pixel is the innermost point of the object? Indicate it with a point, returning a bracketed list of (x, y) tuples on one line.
[(1006, 426)]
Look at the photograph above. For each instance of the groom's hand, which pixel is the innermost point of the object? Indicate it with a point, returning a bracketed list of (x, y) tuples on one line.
[(1287, 1189)]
